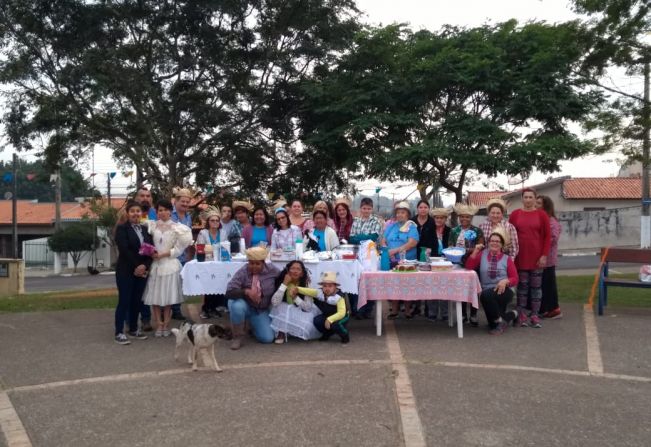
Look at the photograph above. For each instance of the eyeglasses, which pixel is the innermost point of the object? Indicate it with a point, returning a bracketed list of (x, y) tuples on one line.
[(214, 221)]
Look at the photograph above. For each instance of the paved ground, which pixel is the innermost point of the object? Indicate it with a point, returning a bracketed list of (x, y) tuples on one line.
[(65, 383)]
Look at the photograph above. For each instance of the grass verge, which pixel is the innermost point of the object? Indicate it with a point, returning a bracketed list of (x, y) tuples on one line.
[(571, 289), (40, 302)]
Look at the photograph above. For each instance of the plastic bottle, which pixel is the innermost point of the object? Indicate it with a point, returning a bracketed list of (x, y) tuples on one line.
[(242, 246), (385, 261), (299, 249)]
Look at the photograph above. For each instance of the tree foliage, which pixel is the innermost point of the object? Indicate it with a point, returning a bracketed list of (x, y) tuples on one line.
[(199, 91), (38, 185), (74, 239), (435, 107)]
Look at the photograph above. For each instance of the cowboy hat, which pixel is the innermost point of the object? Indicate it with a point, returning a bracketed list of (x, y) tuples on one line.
[(496, 201), (210, 211), (329, 277), (403, 204), (342, 201), (501, 231), (443, 212), (247, 206), (256, 254), (465, 210), (181, 192)]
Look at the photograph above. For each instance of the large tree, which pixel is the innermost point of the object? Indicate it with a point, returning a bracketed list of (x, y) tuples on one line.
[(34, 182), (434, 108), (200, 91)]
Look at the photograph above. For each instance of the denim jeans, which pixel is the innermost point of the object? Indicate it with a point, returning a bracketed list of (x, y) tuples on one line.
[(130, 290), (260, 321), (145, 313)]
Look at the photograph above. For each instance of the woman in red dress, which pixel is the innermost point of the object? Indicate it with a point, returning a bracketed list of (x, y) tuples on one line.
[(534, 237)]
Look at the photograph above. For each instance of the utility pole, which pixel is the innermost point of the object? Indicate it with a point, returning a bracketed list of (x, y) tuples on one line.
[(14, 208), (108, 188), (57, 199), (645, 227)]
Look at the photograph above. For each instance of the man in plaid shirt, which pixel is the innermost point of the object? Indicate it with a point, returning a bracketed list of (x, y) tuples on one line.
[(367, 226)]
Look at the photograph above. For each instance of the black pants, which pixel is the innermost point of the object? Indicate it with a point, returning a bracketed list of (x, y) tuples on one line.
[(495, 304), (130, 290), (549, 290), (212, 302), (338, 326)]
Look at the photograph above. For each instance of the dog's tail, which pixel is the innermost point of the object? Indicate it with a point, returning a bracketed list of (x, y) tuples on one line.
[(175, 331)]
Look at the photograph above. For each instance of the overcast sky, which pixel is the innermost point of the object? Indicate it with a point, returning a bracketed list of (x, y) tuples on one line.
[(431, 14)]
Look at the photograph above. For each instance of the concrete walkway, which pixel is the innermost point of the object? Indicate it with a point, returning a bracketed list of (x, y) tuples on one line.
[(578, 381)]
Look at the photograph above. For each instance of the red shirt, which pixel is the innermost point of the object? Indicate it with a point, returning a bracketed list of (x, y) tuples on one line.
[(534, 237)]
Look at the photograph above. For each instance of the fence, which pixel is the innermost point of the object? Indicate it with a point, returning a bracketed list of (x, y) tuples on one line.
[(36, 253)]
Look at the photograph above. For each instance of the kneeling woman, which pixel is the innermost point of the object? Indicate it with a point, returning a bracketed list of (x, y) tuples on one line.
[(497, 274), (291, 313)]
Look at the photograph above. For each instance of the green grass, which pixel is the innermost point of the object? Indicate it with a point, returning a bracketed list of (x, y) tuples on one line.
[(571, 289), (576, 289), (66, 300)]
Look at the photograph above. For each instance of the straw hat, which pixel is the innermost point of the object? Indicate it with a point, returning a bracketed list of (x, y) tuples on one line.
[(281, 202), (342, 201), (329, 277), (179, 192), (502, 232), (443, 212), (402, 205), (247, 206), (465, 210), (498, 202), (211, 211), (256, 254)]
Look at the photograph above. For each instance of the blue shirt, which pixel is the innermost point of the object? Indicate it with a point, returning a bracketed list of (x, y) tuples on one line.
[(320, 236), (187, 221), (396, 238), (151, 215), (259, 235)]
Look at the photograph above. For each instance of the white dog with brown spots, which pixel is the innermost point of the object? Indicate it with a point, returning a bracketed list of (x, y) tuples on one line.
[(202, 338)]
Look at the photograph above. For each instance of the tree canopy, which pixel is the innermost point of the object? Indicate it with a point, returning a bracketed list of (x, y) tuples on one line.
[(434, 107), (199, 91), (34, 182)]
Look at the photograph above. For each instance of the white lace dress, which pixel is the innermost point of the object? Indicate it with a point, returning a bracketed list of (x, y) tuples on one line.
[(164, 282)]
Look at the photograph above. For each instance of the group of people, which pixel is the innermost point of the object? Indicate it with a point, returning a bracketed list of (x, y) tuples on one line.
[(515, 253)]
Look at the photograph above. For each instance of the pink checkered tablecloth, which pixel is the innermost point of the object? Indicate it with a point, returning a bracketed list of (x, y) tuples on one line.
[(455, 285)]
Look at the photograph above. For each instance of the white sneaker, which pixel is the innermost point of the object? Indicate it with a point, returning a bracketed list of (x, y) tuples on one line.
[(122, 339)]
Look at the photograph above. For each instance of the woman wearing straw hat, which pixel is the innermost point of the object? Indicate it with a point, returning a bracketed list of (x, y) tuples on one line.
[(442, 239), (324, 206), (241, 210), (467, 236), (496, 209), (400, 236), (343, 219), (249, 295), (497, 274)]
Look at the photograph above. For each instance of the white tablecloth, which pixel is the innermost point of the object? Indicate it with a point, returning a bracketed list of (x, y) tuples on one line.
[(211, 278)]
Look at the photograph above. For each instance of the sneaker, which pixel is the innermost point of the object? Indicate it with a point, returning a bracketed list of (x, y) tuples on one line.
[(523, 320), (146, 326), (499, 329), (535, 321), (553, 314), (137, 335), (474, 321), (280, 339), (345, 338), (222, 309), (511, 315), (158, 333), (166, 333), (122, 339), (204, 315)]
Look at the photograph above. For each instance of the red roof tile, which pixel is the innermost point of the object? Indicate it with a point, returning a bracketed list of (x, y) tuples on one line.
[(614, 188), (31, 213), (481, 198)]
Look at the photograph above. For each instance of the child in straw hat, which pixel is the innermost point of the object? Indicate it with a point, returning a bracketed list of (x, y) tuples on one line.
[(334, 307)]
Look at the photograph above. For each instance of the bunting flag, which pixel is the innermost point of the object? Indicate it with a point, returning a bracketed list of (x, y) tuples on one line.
[(127, 174), (53, 177), (7, 177), (92, 174), (377, 190), (30, 177), (209, 189), (112, 174), (420, 187), (270, 195)]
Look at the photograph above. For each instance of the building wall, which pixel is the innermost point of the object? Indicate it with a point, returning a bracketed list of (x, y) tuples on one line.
[(562, 204), (596, 229)]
